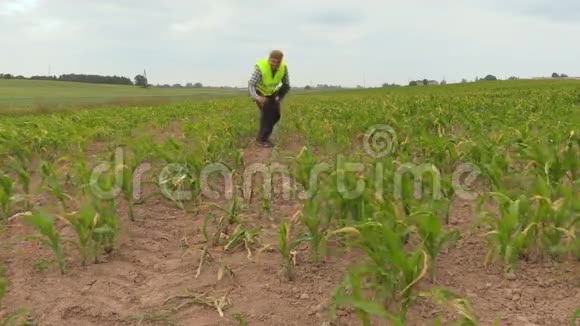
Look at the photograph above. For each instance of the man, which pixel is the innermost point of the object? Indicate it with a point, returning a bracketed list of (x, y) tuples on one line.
[(268, 86)]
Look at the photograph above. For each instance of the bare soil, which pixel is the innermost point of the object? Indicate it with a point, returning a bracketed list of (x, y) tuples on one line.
[(151, 276)]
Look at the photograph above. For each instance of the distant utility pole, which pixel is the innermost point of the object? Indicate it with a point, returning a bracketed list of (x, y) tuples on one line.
[(49, 68), (364, 80)]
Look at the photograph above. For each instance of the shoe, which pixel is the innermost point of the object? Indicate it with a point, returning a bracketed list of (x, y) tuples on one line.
[(266, 143)]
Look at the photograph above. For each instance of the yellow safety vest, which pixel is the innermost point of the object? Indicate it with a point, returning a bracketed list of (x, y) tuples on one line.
[(269, 83)]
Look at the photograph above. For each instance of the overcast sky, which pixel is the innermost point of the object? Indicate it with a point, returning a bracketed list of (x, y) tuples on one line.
[(334, 42)]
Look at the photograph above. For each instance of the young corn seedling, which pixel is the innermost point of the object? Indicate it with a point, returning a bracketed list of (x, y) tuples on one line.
[(44, 224), (195, 166), (126, 171), (232, 212), (95, 229), (20, 165), (214, 238), (454, 303), (220, 304), (575, 317), (305, 163), (241, 236), (240, 319), (432, 235), (6, 195), (51, 182), (556, 163), (391, 272), (553, 223), (364, 307), (16, 317), (311, 220), (175, 183), (348, 197), (79, 175), (509, 235), (3, 283), (84, 223), (107, 228), (266, 209), (286, 247)]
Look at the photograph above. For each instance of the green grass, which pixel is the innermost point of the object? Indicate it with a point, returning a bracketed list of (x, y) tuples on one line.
[(29, 96)]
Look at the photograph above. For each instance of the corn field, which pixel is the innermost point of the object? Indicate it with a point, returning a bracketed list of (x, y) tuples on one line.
[(70, 180)]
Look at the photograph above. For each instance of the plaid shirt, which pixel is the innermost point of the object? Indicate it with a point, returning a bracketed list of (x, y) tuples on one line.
[(257, 76)]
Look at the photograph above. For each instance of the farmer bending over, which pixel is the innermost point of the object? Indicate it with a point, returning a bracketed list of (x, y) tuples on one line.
[(268, 86)]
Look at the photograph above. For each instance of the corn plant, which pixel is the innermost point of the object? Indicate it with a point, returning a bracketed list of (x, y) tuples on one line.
[(265, 203), (95, 229), (179, 177), (555, 163), (220, 229), (84, 223), (14, 318), (343, 196), (20, 164), (51, 182), (195, 166), (240, 319), (79, 176), (6, 195), (305, 163), (364, 307), (311, 219), (3, 283), (177, 180), (454, 303), (553, 222), (286, 246), (242, 236), (432, 235), (535, 225), (44, 224), (509, 235), (125, 172), (107, 227), (390, 273), (575, 317), (232, 212)]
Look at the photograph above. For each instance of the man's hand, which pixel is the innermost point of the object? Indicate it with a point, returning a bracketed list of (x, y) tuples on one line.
[(278, 99), (260, 100)]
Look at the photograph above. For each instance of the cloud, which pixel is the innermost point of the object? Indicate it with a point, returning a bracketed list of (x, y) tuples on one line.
[(217, 42), (334, 17), (556, 11), (16, 7)]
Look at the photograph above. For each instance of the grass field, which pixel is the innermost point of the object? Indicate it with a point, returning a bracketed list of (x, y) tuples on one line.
[(28, 95), (453, 205)]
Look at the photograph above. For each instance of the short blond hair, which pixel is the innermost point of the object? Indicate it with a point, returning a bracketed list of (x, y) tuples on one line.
[(276, 54)]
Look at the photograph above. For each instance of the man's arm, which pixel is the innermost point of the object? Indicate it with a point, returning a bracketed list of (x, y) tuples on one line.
[(285, 85), (254, 80)]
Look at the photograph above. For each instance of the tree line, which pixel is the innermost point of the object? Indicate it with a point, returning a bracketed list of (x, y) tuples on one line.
[(81, 78), (139, 80)]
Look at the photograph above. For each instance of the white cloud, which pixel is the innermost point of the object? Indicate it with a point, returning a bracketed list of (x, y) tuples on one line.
[(333, 42), (15, 7)]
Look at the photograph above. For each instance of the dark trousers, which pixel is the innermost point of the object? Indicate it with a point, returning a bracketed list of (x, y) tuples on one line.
[(269, 116)]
